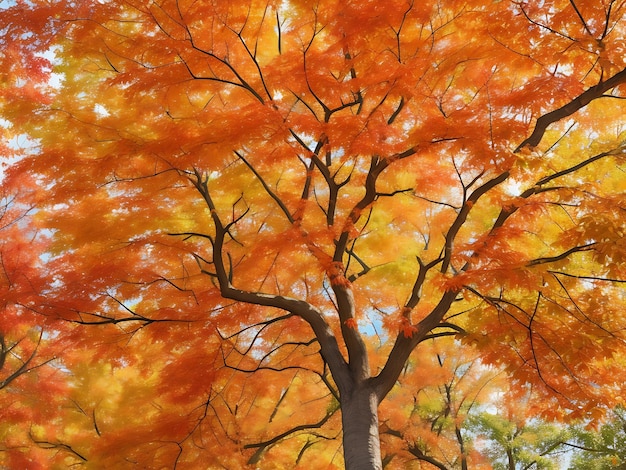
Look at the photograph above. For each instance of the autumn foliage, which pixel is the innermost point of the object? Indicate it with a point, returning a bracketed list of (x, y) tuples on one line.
[(315, 234)]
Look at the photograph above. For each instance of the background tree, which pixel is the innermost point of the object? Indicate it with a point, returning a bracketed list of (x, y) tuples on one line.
[(603, 447), (264, 209), (514, 438)]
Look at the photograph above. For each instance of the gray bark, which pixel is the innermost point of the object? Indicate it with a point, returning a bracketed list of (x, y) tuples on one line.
[(361, 442)]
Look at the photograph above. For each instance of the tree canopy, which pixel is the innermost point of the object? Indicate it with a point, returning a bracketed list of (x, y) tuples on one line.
[(237, 231)]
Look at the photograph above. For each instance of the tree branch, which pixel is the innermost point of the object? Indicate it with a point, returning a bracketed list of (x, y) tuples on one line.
[(404, 344), (328, 343), (562, 256), (268, 190), (464, 212), (582, 100), (537, 188), (261, 446)]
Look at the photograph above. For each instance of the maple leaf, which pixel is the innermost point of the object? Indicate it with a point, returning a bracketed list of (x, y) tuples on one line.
[(217, 190)]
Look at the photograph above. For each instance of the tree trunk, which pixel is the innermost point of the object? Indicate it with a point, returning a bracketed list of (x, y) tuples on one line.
[(511, 459), (361, 442)]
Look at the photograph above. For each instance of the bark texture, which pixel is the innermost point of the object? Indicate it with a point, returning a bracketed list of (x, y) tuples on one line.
[(361, 441)]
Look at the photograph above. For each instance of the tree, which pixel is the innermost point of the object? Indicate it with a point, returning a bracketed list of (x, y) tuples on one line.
[(515, 439), (601, 448), (28, 359), (305, 194)]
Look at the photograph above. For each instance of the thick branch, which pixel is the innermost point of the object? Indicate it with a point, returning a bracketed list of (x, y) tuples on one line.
[(419, 282), (328, 343), (357, 350), (570, 108), (464, 212), (405, 343), (377, 165)]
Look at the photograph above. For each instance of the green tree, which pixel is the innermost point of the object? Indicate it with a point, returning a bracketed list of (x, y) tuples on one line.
[(603, 448), (512, 444)]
